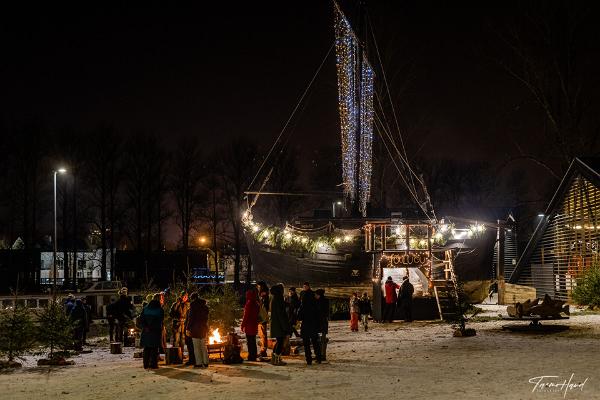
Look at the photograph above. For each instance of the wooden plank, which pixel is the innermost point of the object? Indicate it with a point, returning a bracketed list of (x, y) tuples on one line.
[(518, 293)]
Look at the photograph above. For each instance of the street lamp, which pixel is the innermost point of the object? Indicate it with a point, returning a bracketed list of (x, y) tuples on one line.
[(56, 172), (333, 206)]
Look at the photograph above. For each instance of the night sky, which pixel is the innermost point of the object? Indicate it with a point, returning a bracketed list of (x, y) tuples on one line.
[(237, 68)]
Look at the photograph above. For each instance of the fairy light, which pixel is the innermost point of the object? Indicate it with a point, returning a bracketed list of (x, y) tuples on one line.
[(366, 135), (346, 49)]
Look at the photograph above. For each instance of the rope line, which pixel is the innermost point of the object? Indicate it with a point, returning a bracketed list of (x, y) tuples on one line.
[(290, 117)]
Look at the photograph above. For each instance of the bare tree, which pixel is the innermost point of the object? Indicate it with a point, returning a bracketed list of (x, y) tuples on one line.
[(186, 186), (548, 46), (103, 178), (238, 161)]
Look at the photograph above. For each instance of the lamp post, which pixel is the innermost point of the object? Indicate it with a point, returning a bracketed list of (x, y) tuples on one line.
[(54, 250), (333, 207)]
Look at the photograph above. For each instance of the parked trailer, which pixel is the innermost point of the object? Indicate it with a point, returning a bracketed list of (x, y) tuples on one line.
[(97, 296)]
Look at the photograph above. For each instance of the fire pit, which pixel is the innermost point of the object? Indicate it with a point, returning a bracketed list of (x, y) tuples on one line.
[(215, 344)]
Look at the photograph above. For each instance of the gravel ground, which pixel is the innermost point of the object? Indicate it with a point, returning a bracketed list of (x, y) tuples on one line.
[(420, 360)]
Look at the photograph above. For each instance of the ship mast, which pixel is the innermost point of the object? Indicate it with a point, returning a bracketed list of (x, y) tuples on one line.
[(355, 86)]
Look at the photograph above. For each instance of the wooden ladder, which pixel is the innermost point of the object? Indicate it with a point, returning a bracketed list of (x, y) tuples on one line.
[(446, 295)]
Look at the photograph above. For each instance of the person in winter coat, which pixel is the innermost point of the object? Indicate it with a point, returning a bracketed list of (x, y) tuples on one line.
[(280, 324), (390, 299), (111, 312), (150, 323), (293, 303), (197, 329), (178, 312), (250, 322), (88, 318), (406, 293), (365, 310), (263, 296), (323, 306), (78, 317), (354, 312), (309, 329), (124, 314)]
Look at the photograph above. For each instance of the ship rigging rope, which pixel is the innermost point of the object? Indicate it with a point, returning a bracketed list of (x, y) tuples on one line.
[(405, 158), (285, 127), (387, 87), (383, 119), (413, 189), (413, 193)]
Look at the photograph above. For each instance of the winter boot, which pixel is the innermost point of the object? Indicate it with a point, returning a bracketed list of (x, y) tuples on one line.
[(276, 360), (324, 349), (279, 361)]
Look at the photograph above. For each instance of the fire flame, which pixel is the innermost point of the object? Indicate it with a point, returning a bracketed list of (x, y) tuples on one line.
[(215, 337)]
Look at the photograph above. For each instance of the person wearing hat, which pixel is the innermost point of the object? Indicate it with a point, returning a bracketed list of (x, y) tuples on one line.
[(123, 314), (390, 299), (178, 313), (406, 293)]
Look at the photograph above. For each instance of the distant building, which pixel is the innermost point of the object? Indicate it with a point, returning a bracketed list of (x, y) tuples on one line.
[(566, 241), (89, 263), (161, 268)]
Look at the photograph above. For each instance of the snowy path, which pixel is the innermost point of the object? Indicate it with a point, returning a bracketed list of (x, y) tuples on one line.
[(421, 359)]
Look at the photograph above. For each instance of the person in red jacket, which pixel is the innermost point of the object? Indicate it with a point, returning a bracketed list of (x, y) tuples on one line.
[(250, 322), (390, 299)]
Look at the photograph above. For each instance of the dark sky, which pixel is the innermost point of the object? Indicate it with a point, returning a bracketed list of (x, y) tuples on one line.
[(227, 68)]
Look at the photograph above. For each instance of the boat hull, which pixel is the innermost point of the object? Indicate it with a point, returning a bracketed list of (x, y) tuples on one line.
[(341, 270)]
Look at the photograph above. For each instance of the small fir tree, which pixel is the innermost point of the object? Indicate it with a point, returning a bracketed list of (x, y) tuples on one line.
[(462, 307), (225, 309), (587, 291), (16, 332), (55, 329)]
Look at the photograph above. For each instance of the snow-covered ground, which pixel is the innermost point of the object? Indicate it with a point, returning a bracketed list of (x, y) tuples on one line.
[(420, 360)]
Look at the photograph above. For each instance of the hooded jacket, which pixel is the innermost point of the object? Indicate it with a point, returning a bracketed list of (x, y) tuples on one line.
[(280, 324), (309, 314), (250, 319), (197, 321), (151, 323)]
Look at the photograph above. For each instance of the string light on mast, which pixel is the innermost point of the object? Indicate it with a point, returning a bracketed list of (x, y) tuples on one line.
[(346, 48), (366, 135)]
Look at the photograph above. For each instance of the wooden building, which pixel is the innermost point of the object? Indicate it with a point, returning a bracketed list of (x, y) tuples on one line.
[(566, 240)]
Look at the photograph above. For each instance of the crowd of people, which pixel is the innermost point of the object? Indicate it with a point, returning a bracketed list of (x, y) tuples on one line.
[(269, 315)]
